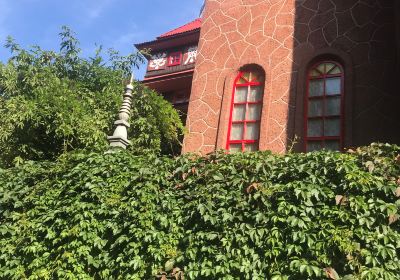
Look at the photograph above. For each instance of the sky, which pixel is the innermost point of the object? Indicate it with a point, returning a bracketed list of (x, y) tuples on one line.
[(114, 24)]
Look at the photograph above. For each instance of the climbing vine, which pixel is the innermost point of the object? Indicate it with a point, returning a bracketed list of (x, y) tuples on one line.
[(320, 215)]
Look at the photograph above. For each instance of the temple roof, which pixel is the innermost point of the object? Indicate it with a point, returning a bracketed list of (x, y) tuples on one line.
[(191, 26)]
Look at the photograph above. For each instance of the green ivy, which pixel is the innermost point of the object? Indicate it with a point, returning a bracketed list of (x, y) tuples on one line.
[(115, 215)]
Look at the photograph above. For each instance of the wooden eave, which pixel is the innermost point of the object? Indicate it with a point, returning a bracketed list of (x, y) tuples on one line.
[(170, 42)]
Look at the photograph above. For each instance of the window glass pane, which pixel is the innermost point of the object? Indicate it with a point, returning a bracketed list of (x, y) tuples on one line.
[(314, 146), (333, 145), (257, 78), (241, 94), (321, 68), (335, 70), (333, 86), (239, 113), (251, 147), (332, 127), (235, 147), (246, 76), (237, 131), (332, 106), (316, 87), (315, 108), (241, 81), (315, 73), (329, 67), (314, 128), (255, 94), (252, 131), (254, 112)]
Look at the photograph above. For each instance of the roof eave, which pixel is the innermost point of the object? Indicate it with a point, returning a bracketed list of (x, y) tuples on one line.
[(152, 44)]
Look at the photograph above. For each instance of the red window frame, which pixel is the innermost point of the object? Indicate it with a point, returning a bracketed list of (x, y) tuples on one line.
[(324, 76), (174, 58), (249, 84)]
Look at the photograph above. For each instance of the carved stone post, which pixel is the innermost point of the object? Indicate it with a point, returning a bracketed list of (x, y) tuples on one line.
[(120, 136)]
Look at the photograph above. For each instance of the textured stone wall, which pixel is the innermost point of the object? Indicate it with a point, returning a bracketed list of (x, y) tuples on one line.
[(361, 35), (284, 37)]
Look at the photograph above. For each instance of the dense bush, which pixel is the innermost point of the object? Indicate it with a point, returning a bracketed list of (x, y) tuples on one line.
[(54, 102), (243, 216)]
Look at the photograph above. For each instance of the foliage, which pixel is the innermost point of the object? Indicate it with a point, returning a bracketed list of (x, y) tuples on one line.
[(53, 102), (321, 215)]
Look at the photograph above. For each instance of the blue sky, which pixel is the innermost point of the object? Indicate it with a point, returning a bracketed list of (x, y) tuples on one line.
[(111, 23)]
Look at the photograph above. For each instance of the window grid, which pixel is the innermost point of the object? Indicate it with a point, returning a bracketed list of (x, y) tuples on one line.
[(331, 70), (252, 82)]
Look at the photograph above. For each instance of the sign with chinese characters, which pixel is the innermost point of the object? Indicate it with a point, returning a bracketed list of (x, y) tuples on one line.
[(174, 58), (162, 60), (190, 55), (157, 62)]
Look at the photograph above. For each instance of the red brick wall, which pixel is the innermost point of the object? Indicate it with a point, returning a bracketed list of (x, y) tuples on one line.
[(284, 37)]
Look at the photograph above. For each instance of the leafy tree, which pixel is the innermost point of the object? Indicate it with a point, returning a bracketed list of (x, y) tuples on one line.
[(53, 102)]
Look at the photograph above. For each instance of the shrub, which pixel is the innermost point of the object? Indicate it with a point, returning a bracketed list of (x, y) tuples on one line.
[(55, 102), (320, 215)]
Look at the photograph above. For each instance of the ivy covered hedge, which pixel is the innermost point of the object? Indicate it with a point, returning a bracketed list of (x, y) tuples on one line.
[(244, 216)]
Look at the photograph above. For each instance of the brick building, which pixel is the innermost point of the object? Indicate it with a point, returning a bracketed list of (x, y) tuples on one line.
[(276, 74)]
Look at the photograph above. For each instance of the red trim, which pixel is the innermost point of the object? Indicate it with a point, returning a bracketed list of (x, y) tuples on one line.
[(243, 141), (248, 84), (174, 58), (322, 139), (247, 121), (250, 103)]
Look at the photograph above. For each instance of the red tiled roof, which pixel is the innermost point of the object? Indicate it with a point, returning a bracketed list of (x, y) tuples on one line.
[(191, 26)]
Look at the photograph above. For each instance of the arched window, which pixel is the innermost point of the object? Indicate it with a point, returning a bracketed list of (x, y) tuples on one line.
[(245, 114), (324, 107)]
